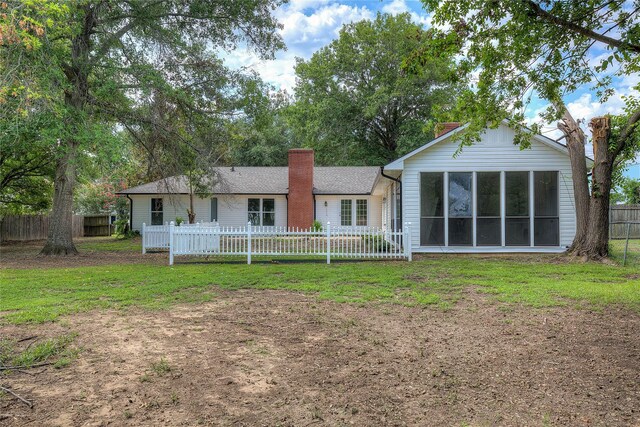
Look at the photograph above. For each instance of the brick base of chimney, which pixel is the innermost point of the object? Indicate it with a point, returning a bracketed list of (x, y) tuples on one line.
[(300, 200)]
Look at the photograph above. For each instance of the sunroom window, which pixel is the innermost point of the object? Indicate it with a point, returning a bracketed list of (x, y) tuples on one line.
[(517, 221), (460, 209), (432, 208), (546, 223)]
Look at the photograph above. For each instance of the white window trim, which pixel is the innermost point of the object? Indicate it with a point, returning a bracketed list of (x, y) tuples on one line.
[(354, 210), (261, 210)]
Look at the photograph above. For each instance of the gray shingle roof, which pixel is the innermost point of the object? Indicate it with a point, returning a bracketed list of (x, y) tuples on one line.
[(270, 180)]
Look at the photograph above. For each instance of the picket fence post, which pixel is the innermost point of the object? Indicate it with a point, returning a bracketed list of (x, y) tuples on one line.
[(171, 242), (328, 242), (407, 248), (144, 243), (249, 242)]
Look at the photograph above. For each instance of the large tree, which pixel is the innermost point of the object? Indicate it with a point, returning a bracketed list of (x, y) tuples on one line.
[(261, 136), (517, 50), (92, 62), (355, 105)]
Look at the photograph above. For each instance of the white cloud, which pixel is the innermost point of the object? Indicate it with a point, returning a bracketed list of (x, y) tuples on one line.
[(307, 26), (396, 7), (322, 25)]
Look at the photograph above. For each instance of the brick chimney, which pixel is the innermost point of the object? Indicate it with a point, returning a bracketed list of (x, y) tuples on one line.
[(300, 203), (442, 128)]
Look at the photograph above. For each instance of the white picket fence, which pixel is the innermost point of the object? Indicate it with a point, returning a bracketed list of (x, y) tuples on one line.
[(331, 242)]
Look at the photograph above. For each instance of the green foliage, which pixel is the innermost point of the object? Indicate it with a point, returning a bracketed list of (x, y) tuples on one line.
[(630, 191), (98, 198), (377, 243), (355, 105), (316, 225), (41, 295), (179, 220), (92, 74), (517, 50), (262, 136)]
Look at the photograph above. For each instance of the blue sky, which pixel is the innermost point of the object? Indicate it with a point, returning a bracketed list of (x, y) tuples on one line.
[(310, 24)]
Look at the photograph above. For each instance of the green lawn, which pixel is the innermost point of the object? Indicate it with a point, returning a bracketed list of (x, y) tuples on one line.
[(40, 295)]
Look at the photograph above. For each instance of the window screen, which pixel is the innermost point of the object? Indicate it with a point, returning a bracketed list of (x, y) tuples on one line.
[(460, 209), (517, 209), (488, 221), (546, 230), (431, 208)]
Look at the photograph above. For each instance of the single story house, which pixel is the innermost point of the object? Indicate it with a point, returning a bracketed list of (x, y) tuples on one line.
[(492, 197)]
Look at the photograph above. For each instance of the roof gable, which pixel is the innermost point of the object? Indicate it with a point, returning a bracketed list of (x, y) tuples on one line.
[(398, 164)]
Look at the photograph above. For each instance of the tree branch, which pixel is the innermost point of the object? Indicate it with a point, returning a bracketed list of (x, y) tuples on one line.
[(541, 13), (626, 132)]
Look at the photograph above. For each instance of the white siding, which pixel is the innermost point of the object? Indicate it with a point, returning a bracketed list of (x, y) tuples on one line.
[(331, 212), (495, 152), (232, 209)]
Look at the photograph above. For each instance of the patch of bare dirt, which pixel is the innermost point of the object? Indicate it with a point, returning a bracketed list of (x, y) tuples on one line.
[(279, 358), (27, 255)]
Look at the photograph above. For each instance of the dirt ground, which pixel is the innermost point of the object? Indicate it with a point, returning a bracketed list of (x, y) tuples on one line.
[(26, 255), (254, 358)]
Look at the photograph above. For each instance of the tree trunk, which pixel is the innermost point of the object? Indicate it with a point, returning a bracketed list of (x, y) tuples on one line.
[(597, 243), (190, 212), (575, 145), (60, 238)]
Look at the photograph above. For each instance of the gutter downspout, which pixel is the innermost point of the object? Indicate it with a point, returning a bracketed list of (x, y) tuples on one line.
[(130, 212), (399, 181)]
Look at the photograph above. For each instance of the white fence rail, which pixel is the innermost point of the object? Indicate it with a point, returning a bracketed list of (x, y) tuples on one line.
[(332, 242)]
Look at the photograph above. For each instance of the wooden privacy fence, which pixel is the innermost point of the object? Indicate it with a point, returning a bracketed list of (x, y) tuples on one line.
[(33, 227), (332, 242), (619, 216), (97, 225)]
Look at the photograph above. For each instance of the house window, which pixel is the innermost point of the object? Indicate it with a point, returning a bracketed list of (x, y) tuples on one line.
[(156, 211), (546, 223), (254, 211), (214, 209), (361, 212), (517, 223), (488, 221), (268, 212), (345, 213), (460, 209), (262, 212), (432, 208)]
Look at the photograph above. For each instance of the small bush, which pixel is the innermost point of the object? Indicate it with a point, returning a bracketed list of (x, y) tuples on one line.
[(316, 226), (179, 220)]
